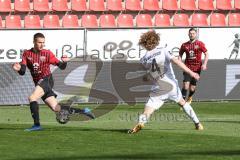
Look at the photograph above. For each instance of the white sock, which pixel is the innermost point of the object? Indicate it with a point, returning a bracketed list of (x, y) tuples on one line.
[(142, 119), (190, 112)]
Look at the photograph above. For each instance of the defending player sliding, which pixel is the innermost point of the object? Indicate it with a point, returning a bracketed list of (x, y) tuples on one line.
[(38, 61), (157, 62)]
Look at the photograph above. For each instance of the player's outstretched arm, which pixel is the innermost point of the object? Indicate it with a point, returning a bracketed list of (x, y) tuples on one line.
[(54, 61), (20, 68), (185, 68)]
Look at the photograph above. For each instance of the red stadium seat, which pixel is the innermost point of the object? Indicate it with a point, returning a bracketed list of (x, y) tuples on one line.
[(162, 20), (59, 5), (51, 21), (96, 5), (237, 4), (217, 19), (151, 5), (114, 5), (234, 19), (32, 21), (133, 5), (205, 5), (22, 5), (188, 5), (199, 19), (1, 22), (107, 21), (79, 5), (70, 21), (144, 20), (89, 21), (125, 20), (5, 6), (41, 5), (181, 20), (13, 21), (224, 5), (169, 5)]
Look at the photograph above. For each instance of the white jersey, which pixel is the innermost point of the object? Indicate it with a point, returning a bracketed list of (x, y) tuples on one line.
[(158, 63)]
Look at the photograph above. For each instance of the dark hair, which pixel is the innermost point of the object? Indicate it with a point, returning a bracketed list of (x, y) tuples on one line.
[(38, 35), (149, 40), (192, 29)]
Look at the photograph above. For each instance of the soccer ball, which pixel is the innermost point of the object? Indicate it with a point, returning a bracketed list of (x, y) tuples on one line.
[(62, 117)]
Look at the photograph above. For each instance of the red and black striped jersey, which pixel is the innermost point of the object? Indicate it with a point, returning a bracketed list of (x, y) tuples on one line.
[(39, 63), (193, 51)]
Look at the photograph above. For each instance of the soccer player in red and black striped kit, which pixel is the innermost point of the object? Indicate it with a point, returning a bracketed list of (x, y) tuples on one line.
[(38, 61), (193, 50)]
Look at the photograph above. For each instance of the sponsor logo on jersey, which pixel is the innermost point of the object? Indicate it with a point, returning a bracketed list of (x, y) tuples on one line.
[(42, 58), (196, 47)]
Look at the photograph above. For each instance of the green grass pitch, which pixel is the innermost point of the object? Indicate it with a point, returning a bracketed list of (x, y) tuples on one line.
[(169, 135)]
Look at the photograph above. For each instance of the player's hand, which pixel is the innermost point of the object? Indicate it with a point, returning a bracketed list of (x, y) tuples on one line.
[(16, 66), (204, 67), (65, 58), (146, 77), (195, 75)]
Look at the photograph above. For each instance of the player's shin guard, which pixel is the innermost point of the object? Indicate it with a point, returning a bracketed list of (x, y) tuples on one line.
[(184, 93), (190, 112), (35, 112)]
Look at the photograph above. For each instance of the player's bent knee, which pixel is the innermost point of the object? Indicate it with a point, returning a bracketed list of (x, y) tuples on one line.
[(56, 108), (193, 88), (186, 87), (154, 103), (32, 98)]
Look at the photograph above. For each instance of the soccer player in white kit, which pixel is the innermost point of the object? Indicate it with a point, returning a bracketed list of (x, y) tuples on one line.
[(157, 62)]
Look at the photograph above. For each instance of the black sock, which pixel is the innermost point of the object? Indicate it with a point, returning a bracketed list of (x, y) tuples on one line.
[(76, 110), (184, 93), (35, 112), (191, 93), (72, 110), (66, 107)]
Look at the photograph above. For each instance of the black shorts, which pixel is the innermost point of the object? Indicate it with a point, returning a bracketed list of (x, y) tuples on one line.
[(47, 84), (188, 78)]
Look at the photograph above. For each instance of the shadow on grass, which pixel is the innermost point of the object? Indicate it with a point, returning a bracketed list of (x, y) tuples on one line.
[(108, 157), (64, 128), (167, 156), (221, 121), (216, 153), (21, 127), (18, 127)]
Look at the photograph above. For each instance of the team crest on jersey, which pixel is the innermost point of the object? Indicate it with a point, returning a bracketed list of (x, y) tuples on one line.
[(42, 58), (196, 47)]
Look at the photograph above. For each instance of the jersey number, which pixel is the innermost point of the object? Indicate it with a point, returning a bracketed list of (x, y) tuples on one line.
[(155, 66)]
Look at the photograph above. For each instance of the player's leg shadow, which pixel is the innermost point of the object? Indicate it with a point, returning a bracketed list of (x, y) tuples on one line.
[(221, 121)]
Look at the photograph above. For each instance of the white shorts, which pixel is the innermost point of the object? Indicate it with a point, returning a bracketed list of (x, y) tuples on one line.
[(175, 94)]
